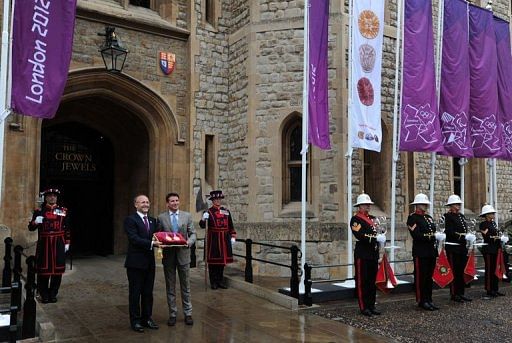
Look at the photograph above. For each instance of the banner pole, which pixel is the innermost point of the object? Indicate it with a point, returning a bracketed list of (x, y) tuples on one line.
[(348, 155)]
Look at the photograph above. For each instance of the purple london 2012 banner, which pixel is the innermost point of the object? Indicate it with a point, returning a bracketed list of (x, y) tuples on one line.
[(41, 52), (420, 128), (486, 133), (318, 104), (503, 49), (454, 94)]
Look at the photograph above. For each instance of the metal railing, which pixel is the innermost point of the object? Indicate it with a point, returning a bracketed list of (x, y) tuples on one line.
[(12, 279)]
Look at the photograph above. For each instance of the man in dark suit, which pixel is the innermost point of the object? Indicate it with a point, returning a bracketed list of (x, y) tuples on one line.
[(140, 264), (177, 258)]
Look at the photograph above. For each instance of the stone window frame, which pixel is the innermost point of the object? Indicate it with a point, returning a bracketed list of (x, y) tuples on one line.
[(164, 8), (151, 4), (292, 124), (475, 184), (210, 13)]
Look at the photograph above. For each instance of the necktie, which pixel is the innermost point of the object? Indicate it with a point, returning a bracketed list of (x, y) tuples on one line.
[(146, 223), (174, 222)]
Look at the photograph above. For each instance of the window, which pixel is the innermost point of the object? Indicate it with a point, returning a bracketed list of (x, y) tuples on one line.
[(457, 176), (292, 160), (209, 160), (141, 3)]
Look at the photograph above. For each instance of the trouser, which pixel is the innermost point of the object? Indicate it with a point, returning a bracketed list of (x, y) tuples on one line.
[(491, 280), (170, 286), (140, 293), (216, 272), (423, 270), (458, 263), (48, 285), (366, 273)]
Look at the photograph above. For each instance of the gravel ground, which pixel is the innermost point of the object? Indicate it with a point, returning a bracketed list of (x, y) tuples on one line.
[(477, 321)]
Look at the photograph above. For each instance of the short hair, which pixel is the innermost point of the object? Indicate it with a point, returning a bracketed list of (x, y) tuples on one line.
[(172, 194), (138, 195)]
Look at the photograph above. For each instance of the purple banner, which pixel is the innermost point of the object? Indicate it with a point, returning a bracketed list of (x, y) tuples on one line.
[(454, 95), (503, 50), (420, 129), (41, 52), (486, 132), (318, 103)]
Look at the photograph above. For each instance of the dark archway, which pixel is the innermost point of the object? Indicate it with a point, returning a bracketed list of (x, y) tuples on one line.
[(79, 161)]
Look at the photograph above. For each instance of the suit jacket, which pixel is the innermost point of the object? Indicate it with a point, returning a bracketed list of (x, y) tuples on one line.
[(186, 228), (140, 254)]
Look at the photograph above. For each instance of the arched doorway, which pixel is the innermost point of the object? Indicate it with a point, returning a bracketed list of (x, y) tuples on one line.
[(133, 133), (79, 161)]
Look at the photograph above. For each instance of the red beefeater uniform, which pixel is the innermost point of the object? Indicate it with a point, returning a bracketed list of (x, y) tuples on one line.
[(53, 234), (220, 231)]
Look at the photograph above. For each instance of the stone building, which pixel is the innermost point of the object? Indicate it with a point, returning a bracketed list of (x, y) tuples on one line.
[(228, 117)]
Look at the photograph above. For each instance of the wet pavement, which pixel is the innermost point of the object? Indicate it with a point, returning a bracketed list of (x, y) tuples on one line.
[(93, 307)]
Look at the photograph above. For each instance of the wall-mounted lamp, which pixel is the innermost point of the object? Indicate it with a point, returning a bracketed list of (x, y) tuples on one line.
[(113, 54)]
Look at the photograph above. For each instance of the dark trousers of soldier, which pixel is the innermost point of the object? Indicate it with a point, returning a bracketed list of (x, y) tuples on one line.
[(216, 273), (423, 270), (458, 263), (48, 285), (366, 273), (491, 280)]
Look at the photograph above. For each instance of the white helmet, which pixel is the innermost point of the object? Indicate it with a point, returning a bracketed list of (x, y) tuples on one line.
[(486, 209), (420, 198), (363, 199), (453, 199)]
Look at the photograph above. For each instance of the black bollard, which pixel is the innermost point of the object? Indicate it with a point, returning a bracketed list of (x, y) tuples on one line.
[(308, 298), (29, 307), (248, 260), (17, 273), (7, 272), (294, 280)]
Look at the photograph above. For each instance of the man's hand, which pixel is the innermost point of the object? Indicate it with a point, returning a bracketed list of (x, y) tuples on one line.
[(66, 247), (157, 243), (504, 239), (233, 240), (440, 236), (39, 220), (381, 238), (206, 215)]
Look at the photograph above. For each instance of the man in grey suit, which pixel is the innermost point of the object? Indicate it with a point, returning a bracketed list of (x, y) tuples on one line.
[(178, 258)]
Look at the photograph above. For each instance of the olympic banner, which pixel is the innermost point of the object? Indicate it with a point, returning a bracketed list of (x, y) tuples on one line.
[(419, 121), (318, 104), (486, 131), (502, 31), (455, 80), (41, 52), (366, 65)]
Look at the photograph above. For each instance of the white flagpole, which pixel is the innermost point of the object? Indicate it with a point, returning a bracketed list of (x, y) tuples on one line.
[(350, 258), (495, 190), (305, 145), (4, 88), (396, 130)]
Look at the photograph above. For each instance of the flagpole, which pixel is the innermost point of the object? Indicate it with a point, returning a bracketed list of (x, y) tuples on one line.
[(348, 155), (4, 88), (395, 131), (495, 190), (304, 151)]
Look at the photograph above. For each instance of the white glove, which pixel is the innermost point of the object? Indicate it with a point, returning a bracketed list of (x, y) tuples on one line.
[(440, 236), (504, 239), (39, 220), (381, 238), (66, 247), (470, 238), (233, 240), (206, 215)]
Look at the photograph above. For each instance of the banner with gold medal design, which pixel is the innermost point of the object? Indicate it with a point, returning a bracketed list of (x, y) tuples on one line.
[(366, 64)]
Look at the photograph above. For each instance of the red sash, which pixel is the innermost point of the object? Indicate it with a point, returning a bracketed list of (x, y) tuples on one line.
[(365, 218), (443, 273)]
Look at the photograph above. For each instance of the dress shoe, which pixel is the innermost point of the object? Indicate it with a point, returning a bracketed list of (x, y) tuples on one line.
[(465, 298), (375, 312), (223, 285), (500, 294), (426, 306), (171, 321), (214, 286), (52, 300), (137, 327), (457, 298), (492, 294), (44, 300), (366, 312), (433, 306), (189, 320), (150, 324)]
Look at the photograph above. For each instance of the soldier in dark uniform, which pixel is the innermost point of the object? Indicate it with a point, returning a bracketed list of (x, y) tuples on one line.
[(491, 236), (51, 222), (366, 255), (424, 251), (456, 230), (221, 236)]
